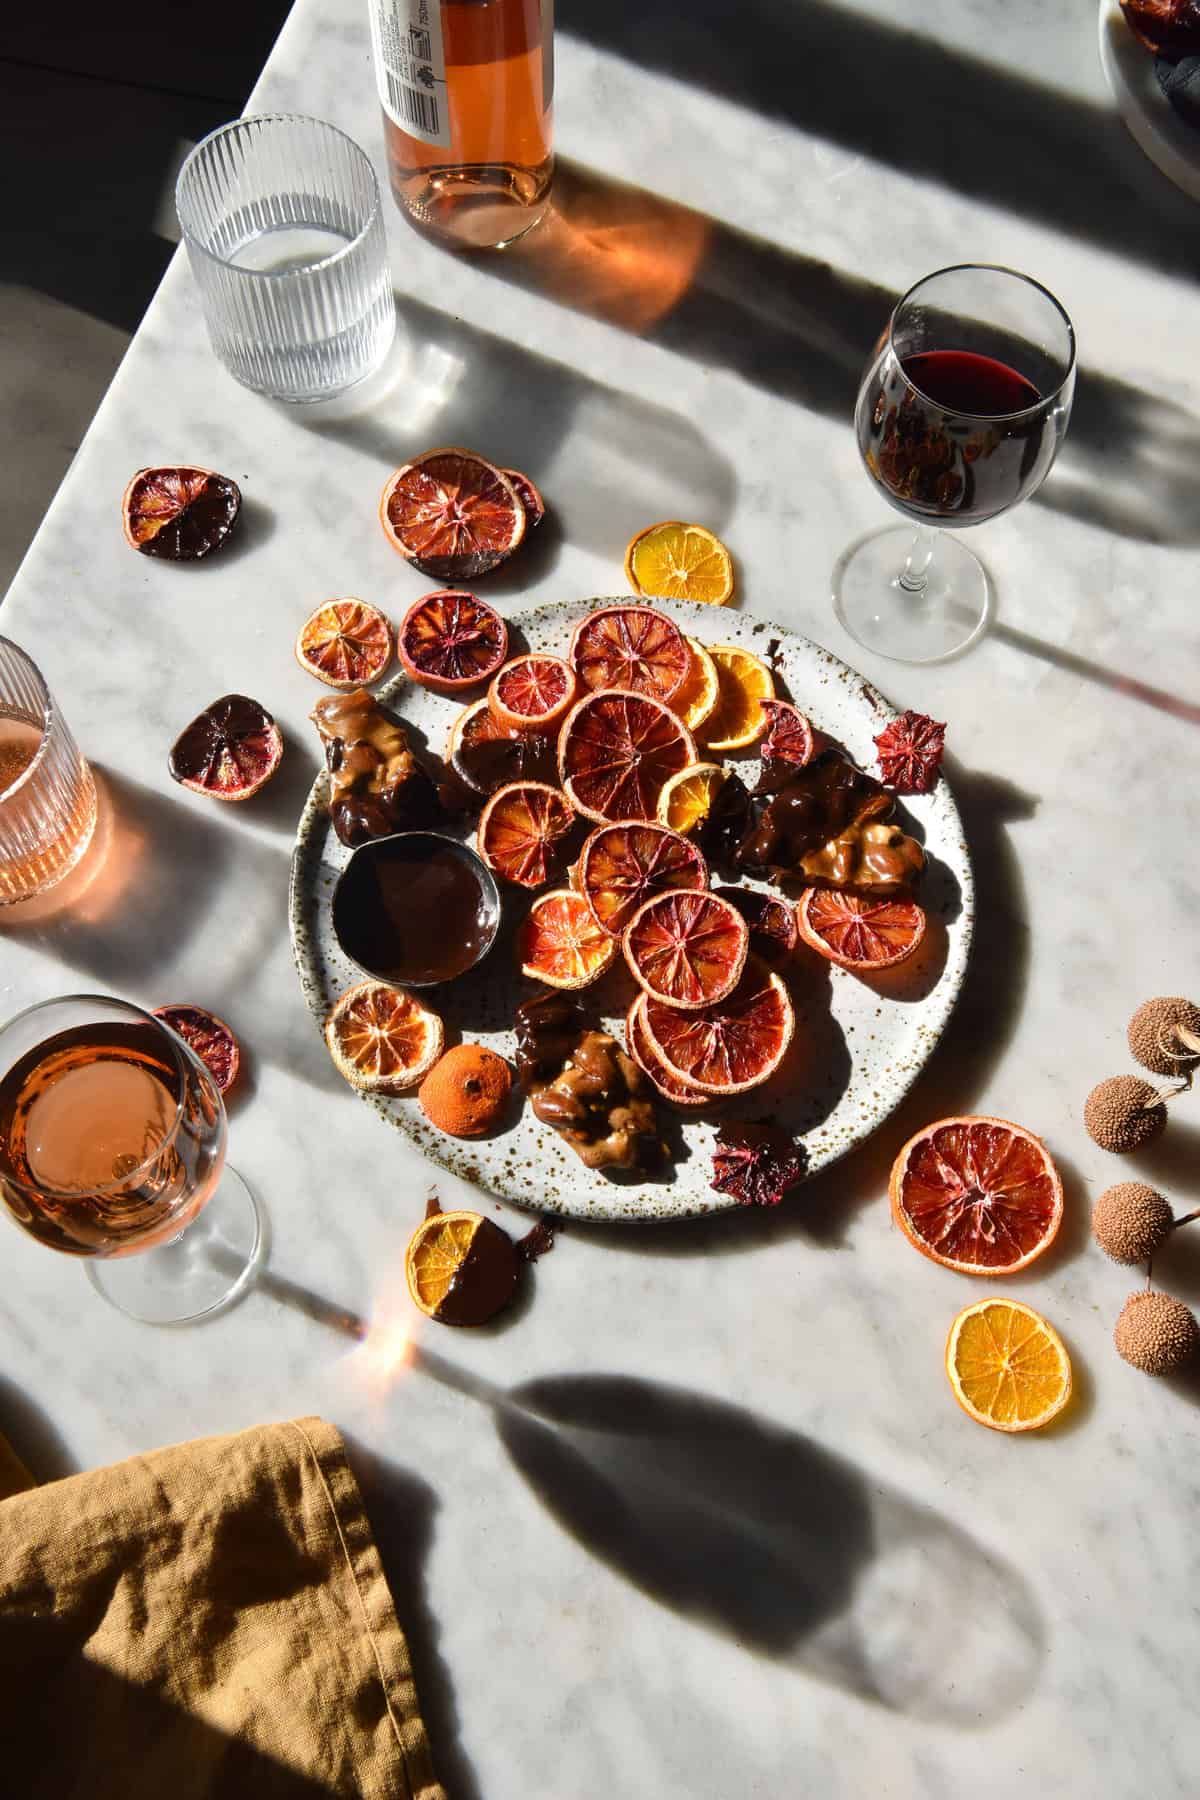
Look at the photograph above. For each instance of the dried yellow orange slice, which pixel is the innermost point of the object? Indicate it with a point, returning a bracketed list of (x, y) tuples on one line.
[(674, 561), (460, 1268), (345, 643), (687, 799), (382, 1039), (738, 719), (1007, 1366), (696, 700)]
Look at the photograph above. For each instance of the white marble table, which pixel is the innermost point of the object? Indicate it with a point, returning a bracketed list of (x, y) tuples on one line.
[(737, 1539)]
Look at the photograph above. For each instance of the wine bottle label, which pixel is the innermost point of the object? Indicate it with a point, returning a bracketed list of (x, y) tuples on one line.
[(410, 66)]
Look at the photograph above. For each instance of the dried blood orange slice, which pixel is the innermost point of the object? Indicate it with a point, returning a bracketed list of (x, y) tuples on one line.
[(639, 1046), (452, 514), (910, 752), (209, 1037), (616, 753), (228, 751), (674, 561), (729, 1047), (521, 832), (530, 497), (774, 932), (180, 514), (789, 737), (382, 1039), (560, 942), (738, 719), (631, 647), (345, 643), (977, 1194), (859, 933), (450, 642), (486, 757), (621, 866), (686, 949), (532, 693)]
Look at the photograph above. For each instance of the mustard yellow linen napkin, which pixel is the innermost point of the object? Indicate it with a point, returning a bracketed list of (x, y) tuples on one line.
[(208, 1620)]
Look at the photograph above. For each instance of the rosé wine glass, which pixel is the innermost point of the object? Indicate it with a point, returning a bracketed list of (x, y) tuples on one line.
[(112, 1148)]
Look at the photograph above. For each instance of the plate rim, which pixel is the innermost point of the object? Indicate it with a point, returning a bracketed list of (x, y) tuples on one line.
[(457, 1152), (1160, 134)]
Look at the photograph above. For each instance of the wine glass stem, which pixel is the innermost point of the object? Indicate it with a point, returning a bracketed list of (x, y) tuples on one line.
[(915, 573)]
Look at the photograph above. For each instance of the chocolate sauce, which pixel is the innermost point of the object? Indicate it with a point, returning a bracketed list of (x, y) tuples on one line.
[(807, 808), (492, 762), (485, 1280), (538, 1240), (548, 1028), (414, 910)]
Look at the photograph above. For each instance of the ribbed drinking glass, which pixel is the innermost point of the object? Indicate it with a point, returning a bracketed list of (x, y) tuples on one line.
[(283, 223), (47, 795)]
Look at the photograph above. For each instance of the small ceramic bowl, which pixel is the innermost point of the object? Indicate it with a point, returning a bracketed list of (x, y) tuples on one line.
[(416, 909)]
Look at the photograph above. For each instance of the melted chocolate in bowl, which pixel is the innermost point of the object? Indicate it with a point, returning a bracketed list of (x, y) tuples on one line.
[(416, 909)]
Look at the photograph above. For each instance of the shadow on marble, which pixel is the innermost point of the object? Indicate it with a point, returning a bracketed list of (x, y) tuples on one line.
[(759, 1533), (164, 870), (256, 524), (1081, 1406), (605, 460), (1176, 1268), (32, 1435), (1074, 1234), (803, 330), (149, 886), (1172, 1162), (401, 1509), (283, 799), (912, 103), (1118, 680), (1186, 1381)]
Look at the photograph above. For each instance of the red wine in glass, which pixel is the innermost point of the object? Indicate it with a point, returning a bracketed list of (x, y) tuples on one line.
[(954, 436), (960, 414)]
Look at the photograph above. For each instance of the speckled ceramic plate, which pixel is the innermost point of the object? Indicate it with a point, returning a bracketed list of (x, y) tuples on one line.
[(859, 1046), (1155, 127)]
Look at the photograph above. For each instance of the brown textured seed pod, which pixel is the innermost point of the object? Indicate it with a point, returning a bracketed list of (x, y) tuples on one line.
[(1130, 1222), (1155, 1332), (1152, 1035), (1123, 1113)]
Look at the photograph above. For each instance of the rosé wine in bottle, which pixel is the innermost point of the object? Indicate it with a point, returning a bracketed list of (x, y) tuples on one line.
[(466, 90)]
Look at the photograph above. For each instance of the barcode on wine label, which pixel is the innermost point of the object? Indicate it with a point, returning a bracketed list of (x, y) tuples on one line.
[(418, 111), (410, 67)]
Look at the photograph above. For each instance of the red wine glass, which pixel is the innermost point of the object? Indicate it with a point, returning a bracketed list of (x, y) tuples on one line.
[(960, 414)]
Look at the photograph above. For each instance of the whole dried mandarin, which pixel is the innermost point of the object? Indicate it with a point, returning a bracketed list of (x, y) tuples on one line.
[(467, 1091)]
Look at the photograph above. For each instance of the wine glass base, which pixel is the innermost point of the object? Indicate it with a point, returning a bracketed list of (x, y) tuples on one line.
[(199, 1272), (945, 618)]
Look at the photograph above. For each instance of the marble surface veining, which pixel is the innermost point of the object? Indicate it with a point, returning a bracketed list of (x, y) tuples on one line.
[(699, 1518)]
